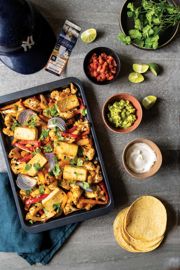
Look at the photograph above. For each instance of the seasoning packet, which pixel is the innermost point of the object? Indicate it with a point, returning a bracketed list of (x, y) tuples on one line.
[(63, 48)]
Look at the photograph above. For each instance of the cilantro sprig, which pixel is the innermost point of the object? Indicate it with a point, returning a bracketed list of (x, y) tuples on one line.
[(150, 19)]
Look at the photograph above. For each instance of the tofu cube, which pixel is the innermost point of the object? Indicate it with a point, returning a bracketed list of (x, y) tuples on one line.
[(68, 103), (38, 160), (24, 133), (57, 196), (72, 173), (66, 149)]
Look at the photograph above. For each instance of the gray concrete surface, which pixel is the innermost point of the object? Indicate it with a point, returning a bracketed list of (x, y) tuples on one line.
[(92, 246)]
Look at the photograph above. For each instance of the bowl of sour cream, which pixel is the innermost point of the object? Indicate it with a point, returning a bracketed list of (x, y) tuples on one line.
[(142, 158)]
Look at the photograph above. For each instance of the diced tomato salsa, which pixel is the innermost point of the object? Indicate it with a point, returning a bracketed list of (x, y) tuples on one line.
[(102, 67)]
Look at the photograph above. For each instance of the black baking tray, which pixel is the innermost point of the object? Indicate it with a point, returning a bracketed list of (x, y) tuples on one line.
[(6, 146)]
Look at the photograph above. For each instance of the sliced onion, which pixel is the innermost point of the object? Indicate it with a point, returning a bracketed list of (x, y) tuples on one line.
[(25, 182), (57, 122), (81, 184), (25, 116), (51, 160)]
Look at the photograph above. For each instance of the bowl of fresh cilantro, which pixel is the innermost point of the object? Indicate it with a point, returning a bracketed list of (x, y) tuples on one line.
[(149, 24)]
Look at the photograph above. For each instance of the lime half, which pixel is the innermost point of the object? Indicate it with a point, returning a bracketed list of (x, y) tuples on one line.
[(154, 68), (140, 68), (135, 77), (89, 35), (149, 101)]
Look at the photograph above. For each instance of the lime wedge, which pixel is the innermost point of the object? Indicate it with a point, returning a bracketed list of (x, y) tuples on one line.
[(89, 35), (140, 68), (154, 68), (135, 77), (149, 101)]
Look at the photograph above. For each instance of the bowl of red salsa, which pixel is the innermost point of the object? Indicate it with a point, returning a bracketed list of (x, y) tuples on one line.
[(102, 65)]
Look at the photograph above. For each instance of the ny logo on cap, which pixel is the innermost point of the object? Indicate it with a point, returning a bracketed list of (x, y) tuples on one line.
[(28, 43)]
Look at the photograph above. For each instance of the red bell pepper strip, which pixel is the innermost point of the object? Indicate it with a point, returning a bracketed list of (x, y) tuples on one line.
[(75, 136), (81, 107), (71, 130), (85, 132), (25, 148), (22, 145), (34, 143), (26, 158), (37, 199)]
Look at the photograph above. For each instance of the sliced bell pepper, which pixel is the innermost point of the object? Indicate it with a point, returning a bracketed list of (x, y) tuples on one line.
[(34, 143), (26, 158), (37, 199), (22, 147), (71, 130)]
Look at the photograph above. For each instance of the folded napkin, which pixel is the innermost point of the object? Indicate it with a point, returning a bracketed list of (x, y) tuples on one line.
[(34, 248)]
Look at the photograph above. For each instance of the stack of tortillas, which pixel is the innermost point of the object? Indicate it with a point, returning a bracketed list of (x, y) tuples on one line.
[(141, 227)]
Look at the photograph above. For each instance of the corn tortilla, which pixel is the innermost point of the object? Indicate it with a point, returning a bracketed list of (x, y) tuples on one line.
[(146, 219), (117, 226)]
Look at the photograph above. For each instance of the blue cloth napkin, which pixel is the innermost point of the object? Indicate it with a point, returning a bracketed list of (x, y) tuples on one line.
[(34, 248)]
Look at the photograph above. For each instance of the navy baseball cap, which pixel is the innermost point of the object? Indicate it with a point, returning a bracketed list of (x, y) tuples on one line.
[(26, 38)]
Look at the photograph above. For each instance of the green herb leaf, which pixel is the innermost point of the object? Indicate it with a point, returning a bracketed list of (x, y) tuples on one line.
[(52, 111), (37, 166), (38, 150), (130, 6), (137, 24), (44, 134), (28, 192), (84, 112), (86, 185), (73, 162), (57, 207), (124, 39), (58, 134), (135, 34), (27, 167), (47, 148), (56, 170), (130, 14), (41, 189), (32, 121), (152, 42), (79, 162), (14, 125)]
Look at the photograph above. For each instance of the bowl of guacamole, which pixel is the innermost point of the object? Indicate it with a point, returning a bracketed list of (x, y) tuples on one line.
[(122, 113)]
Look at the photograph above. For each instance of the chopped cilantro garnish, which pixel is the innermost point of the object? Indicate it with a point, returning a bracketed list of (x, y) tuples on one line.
[(28, 192), (56, 170), (14, 125), (27, 167), (86, 185), (57, 207), (47, 148), (41, 189), (79, 162), (51, 111), (84, 112), (31, 222), (38, 150), (37, 166), (58, 134), (44, 134), (73, 162), (32, 121)]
